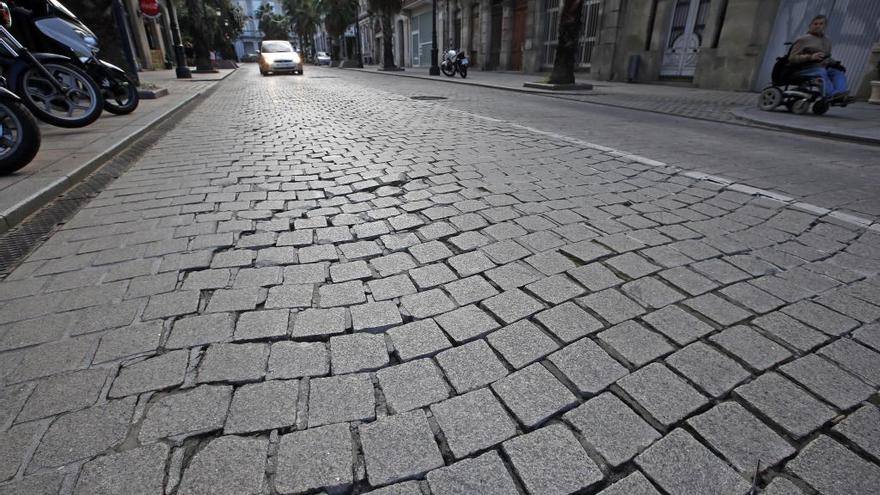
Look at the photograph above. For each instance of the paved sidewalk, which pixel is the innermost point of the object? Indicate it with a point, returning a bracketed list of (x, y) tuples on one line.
[(67, 155), (348, 291), (858, 122)]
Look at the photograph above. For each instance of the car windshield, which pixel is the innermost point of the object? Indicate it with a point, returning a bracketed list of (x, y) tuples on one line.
[(276, 47), (322, 54)]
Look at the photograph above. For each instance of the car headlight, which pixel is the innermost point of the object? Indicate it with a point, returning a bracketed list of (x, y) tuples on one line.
[(296, 58)]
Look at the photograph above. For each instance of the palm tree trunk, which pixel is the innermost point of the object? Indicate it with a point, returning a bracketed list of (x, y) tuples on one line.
[(387, 43), (200, 38), (569, 31)]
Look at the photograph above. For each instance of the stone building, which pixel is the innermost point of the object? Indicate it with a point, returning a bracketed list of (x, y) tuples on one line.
[(723, 44), (149, 37), (248, 42)]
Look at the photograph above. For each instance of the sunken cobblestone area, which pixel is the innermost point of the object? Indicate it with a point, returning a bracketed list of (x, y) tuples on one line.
[(309, 287)]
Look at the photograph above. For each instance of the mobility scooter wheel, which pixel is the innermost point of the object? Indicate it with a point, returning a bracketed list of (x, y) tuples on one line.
[(820, 107), (801, 107), (770, 98)]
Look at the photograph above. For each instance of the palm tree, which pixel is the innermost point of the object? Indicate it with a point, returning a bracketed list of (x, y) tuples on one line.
[(199, 32), (338, 15), (570, 23), (386, 9), (274, 26), (304, 17)]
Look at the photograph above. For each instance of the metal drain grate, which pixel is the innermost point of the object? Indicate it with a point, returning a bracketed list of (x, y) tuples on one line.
[(17, 242), (427, 97)]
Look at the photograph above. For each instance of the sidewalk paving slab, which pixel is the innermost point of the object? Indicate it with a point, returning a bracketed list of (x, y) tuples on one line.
[(858, 121), (68, 155)]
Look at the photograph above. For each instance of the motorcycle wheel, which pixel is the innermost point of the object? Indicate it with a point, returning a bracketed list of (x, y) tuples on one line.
[(81, 106), (463, 71), (121, 97), (448, 69), (19, 136)]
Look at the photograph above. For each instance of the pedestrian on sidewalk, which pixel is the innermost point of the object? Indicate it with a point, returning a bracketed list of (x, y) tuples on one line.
[(812, 52)]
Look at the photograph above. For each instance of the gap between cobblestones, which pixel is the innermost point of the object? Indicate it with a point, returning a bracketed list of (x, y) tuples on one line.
[(616, 165)]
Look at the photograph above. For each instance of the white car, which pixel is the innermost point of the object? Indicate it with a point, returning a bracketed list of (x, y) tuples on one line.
[(322, 58), (277, 56)]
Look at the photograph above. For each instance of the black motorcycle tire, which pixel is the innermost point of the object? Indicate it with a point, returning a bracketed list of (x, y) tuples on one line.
[(48, 117), (448, 69), (131, 102), (28, 137), (463, 71)]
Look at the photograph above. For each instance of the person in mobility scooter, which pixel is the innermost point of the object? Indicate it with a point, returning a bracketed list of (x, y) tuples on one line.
[(807, 77)]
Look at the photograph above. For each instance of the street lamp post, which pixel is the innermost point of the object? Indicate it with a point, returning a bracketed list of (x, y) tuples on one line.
[(182, 70), (435, 69)]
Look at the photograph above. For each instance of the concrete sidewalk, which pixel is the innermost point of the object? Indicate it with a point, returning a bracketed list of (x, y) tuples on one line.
[(67, 155), (859, 122)]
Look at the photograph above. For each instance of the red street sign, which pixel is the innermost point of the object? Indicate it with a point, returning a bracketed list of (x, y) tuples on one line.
[(150, 8)]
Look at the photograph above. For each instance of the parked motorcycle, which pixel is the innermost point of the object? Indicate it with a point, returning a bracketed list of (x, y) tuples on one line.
[(49, 85), (454, 61), (19, 133), (50, 26)]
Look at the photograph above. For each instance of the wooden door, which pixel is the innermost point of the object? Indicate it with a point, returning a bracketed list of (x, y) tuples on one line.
[(520, 11), (495, 40)]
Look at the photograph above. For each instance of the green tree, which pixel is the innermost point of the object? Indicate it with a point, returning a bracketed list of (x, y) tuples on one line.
[(199, 32), (304, 17), (570, 24), (229, 25), (386, 9), (274, 26), (338, 15)]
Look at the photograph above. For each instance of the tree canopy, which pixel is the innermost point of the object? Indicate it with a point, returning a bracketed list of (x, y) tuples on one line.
[(275, 26)]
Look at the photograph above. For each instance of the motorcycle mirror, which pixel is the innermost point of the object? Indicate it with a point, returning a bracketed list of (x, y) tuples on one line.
[(5, 15)]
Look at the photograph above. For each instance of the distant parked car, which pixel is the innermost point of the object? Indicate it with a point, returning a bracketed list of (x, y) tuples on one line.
[(278, 56), (322, 58), (250, 57)]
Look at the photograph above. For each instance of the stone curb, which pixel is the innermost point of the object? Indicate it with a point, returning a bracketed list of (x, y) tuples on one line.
[(465, 82), (742, 113), (21, 210), (746, 120), (560, 94)]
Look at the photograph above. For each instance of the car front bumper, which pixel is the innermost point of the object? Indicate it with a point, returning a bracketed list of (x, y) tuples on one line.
[(285, 67)]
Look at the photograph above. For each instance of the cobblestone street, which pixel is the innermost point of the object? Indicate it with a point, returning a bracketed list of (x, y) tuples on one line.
[(317, 285)]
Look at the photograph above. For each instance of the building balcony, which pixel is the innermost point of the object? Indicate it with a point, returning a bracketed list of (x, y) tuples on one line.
[(409, 6)]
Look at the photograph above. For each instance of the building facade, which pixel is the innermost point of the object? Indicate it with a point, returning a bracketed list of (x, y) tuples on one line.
[(248, 42), (722, 44), (149, 37)]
